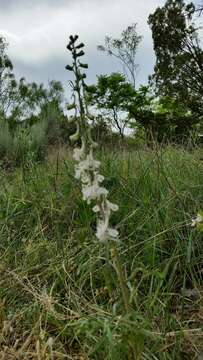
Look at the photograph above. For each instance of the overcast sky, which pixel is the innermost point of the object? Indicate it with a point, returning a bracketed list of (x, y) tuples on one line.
[(38, 31)]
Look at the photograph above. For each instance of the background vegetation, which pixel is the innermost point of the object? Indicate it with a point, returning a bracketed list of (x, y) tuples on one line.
[(57, 299)]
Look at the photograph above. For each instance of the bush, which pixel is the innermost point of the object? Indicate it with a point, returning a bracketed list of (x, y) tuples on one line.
[(24, 144)]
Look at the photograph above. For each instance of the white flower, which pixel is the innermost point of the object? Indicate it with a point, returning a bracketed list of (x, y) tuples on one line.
[(98, 177), (87, 170), (104, 233), (198, 220), (113, 233), (93, 192), (96, 208), (87, 165), (112, 206), (78, 153), (91, 162), (101, 232)]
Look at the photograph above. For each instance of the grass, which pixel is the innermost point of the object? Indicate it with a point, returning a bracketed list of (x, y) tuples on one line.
[(23, 145), (57, 298)]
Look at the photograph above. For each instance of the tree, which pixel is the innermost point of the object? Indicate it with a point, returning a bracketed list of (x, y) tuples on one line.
[(112, 94), (37, 103), (13, 94), (52, 111), (163, 119), (8, 83), (178, 71), (35, 99), (33, 102), (124, 49)]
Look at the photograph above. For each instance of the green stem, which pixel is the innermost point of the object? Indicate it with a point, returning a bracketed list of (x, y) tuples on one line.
[(121, 277), (125, 294)]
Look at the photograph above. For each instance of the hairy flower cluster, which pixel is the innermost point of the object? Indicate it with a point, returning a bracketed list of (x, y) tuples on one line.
[(87, 171)]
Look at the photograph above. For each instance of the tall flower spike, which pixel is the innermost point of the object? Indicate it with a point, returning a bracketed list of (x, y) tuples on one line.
[(87, 168)]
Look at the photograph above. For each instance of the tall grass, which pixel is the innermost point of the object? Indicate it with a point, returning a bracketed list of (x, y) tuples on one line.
[(55, 301), (17, 147)]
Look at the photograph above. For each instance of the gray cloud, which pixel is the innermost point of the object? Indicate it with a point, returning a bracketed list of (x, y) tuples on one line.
[(38, 32), (30, 3)]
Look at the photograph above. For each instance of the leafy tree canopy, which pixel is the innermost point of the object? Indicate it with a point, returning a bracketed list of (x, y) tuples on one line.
[(113, 95), (178, 72), (8, 83)]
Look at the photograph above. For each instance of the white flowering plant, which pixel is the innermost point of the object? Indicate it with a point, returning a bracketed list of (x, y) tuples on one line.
[(87, 167)]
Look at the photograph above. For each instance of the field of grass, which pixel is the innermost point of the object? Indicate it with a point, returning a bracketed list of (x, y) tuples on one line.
[(59, 296)]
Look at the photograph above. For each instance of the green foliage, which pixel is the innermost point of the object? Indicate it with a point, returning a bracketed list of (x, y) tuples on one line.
[(164, 119), (57, 298), (113, 95), (100, 131), (26, 108), (7, 81), (179, 56), (53, 274), (164, 127), (23, 145)]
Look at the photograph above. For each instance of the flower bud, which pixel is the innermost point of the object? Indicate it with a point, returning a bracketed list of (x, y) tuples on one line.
[(75, 136), (75, 38), (71, 38), (80, 46), (68, 67), (81, 53), (69, 46), (82, 76), (84, 66)]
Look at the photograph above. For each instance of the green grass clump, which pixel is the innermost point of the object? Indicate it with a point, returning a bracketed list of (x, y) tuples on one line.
[(23, 146), (57, 300)]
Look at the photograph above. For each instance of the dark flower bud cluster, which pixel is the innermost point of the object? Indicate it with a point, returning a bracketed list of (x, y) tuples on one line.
[(77, 66), (74, 48), (79, 86)]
